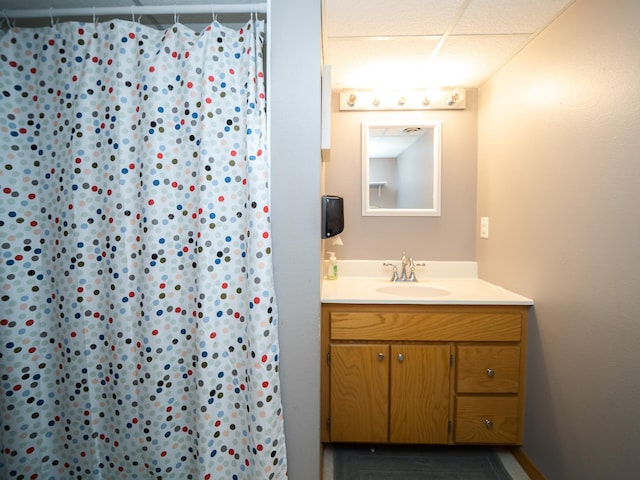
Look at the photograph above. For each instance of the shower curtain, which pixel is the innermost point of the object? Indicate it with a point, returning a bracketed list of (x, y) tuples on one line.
[(138, 321)]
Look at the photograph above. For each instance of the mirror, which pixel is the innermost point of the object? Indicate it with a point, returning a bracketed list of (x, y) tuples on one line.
[(401, 169)]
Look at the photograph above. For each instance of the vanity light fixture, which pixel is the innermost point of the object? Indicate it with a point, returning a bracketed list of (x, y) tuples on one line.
[(423, 99)]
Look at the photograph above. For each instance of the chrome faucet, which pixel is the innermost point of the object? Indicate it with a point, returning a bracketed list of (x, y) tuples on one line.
[(405, 262), (403, 276)]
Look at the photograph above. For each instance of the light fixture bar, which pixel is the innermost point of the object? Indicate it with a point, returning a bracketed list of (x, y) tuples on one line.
[(421, 99)]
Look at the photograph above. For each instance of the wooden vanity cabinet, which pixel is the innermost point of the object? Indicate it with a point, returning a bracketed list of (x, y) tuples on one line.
[(423, 374)]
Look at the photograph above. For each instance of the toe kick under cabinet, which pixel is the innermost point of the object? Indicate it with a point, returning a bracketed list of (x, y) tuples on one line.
[(423, 374)]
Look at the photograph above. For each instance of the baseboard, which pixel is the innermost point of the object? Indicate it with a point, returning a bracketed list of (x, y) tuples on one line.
[(526, 464)]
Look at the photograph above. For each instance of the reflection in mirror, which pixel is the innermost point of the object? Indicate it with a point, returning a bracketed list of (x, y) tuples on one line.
[(401, 169)]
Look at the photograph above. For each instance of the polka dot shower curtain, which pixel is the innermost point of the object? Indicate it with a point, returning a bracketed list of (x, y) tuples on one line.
[(138, 323)]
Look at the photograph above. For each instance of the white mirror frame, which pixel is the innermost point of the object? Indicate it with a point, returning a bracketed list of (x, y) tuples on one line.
[(406, 212)]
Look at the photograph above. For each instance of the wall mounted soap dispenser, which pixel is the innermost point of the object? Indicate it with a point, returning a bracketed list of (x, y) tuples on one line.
[(332, 215)]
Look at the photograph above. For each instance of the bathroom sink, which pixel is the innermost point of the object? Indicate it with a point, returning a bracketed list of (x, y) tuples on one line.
[(413, 290)]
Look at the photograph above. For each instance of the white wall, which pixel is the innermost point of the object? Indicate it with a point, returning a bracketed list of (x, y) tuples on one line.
[(559, 177), (384, 169), (415, 170), (295, 154)]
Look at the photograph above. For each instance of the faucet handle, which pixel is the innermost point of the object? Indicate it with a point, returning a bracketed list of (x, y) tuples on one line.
[(394, 275), (412, 276)]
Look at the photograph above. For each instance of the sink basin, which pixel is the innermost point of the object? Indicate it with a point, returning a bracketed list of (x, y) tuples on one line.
[(413, 290)]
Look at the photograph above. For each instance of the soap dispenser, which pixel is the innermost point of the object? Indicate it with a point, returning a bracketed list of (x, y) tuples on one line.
[(332, 269)]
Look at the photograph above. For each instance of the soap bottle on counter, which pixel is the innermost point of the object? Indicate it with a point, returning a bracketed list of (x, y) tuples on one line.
[(332, 269)]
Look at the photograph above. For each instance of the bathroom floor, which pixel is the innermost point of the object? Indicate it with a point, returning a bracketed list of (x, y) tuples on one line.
[(510, 463)]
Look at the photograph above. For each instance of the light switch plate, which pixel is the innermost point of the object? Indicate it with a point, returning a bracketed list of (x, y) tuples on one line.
[(484, 227)]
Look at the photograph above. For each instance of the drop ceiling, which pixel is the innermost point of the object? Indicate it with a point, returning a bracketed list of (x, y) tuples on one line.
[(400, 44)]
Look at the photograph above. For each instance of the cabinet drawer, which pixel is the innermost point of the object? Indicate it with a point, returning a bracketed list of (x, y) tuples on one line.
[(486, 420), (487, 369), (426, 326)]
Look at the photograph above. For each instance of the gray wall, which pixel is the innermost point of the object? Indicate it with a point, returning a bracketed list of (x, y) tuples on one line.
[(559, 177), (449, 237), (295, 155)]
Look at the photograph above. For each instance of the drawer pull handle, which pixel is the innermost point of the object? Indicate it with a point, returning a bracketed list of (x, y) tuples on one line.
[(381, 356), (491, 373), (488, 423), (400, 357)]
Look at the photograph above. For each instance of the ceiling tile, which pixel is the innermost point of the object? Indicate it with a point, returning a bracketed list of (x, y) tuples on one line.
[(468, 61), (513, 16), (375, 63), (384, 17)]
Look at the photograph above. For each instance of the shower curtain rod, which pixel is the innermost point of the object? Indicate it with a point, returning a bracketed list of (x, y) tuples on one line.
[(136, 10)]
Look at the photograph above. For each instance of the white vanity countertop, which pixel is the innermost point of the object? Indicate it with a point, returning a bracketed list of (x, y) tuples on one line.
[(358, 282)]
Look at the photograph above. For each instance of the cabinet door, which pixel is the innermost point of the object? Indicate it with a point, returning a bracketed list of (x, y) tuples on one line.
[(419, 393), (359, 403)]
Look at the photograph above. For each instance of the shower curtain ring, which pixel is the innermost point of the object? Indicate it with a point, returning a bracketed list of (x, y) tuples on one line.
[(51, 16), (7, 19)]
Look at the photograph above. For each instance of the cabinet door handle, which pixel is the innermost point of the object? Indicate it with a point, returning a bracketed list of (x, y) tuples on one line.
[(488, 423), (381, 356), (491, 373), (400, 357)]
